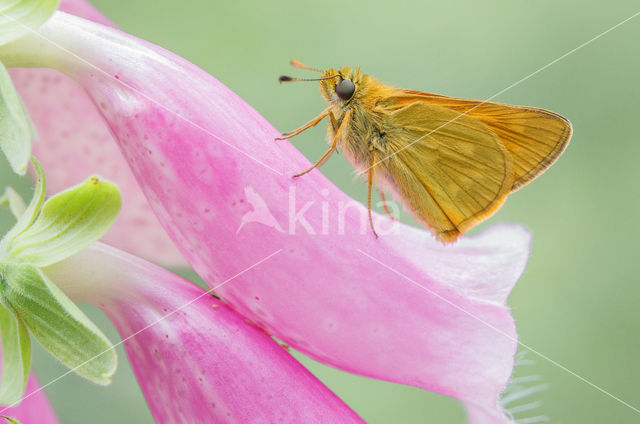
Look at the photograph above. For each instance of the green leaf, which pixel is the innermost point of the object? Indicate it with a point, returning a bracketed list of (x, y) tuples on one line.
[(20, 17), (16, 357), (32, 211), (10, 420), (16, 128), (69, 221), (12, 200), (57, 323)]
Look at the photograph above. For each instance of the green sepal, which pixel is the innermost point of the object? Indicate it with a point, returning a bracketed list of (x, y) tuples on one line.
[(16, 357), (57, 323), (10, 420), (16, 129), (12, 200), (18, 18), (68, 222), (31, 213)]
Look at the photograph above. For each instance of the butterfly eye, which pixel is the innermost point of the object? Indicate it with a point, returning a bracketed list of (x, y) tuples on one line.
[(345, 89)]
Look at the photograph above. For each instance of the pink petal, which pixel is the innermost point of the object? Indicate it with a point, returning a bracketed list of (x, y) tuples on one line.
[(75, 142), (203, 363), (34, 409), (401, 308)]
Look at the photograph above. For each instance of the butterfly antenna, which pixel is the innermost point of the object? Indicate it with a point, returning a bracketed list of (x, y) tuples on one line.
[(301, 65), (286, 78)]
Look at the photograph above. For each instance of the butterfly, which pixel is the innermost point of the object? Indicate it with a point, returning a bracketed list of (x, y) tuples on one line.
[(452, 161)]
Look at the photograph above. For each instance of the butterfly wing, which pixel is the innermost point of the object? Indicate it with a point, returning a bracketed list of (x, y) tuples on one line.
[(534, 137), (450, 170)]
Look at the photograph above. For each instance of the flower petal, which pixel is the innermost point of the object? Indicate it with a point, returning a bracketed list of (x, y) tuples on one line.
[(196, 359), (75, 142), (401, 308), (35, 408)]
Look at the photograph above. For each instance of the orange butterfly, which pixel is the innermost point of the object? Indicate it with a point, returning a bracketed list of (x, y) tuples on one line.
[(452, 161)]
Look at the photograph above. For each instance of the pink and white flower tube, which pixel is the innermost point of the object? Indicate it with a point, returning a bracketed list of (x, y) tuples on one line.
[(401, 308), (195, 358)]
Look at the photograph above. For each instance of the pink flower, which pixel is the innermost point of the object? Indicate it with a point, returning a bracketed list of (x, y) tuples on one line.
[(401, 308), (65, 138), (34, 409), (196, 359)]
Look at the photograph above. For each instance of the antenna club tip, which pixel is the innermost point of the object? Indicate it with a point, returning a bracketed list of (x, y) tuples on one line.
[(284, 78)]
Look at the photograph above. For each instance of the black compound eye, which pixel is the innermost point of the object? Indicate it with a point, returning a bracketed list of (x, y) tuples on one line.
[(345, 89)]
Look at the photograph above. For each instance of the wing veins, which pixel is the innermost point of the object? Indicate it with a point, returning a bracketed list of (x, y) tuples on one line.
[(461, 187), (480, 192), (461, 160)]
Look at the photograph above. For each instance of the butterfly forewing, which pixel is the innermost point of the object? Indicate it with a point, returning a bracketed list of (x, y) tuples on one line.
[(534, 137), (451, 170)]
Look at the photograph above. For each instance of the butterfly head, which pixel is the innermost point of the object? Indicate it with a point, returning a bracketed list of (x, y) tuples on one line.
[(337, 86)]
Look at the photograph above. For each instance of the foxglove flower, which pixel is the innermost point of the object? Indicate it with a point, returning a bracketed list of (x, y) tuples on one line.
[(402, 308), (196, 359)]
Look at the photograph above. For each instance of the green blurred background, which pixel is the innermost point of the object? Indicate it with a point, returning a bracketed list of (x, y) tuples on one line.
[(579, 299)]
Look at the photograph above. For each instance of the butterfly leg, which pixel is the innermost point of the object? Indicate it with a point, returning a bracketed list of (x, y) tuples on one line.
[(315, 121), (334, 123), (332, 149), (372, 161), (384, 205)]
